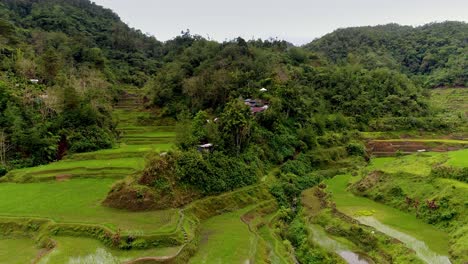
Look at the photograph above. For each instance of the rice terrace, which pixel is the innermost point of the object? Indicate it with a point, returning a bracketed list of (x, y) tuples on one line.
[(116, 147)]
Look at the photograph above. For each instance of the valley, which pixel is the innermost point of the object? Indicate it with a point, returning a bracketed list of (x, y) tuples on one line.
[(119, 148)]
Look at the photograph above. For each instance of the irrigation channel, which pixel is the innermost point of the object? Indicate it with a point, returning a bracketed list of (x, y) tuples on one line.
[(322, 239), (408, 229)]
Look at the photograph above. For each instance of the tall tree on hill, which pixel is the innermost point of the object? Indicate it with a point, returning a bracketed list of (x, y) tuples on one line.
[(236, 126)]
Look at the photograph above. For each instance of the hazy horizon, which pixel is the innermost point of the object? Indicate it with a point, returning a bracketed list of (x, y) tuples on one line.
[(296, 21)]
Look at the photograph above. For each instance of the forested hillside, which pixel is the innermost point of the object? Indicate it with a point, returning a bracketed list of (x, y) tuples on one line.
[(436, 54), (79, 34), (62, 64)]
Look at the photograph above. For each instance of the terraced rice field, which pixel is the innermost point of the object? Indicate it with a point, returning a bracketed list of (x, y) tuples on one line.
[(113, 168), (17, 250), (430, 243), (452, 101), (71, 191), (84, 250), (126, 158), (420, 163), (436, 240), (225, 239), (79, 201), (458, 158), (85, 180)]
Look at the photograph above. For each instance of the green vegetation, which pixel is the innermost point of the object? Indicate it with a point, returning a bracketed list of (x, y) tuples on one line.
[(76, 249), (458, 158), (434, 53), (453, 101), (116, 168), (433, 191), (10, 247), (225, 239), (115, 146), (420, 164), (61, 201), (357, 206), (321, 224)]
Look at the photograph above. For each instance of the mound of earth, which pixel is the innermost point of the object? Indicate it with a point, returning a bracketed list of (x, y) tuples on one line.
[(135, 197)]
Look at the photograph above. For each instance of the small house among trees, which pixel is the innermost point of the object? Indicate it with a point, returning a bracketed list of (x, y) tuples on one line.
[(256, 105), (205, 147)]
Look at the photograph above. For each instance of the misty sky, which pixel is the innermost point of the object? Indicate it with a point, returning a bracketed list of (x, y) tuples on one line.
[(297, 21)]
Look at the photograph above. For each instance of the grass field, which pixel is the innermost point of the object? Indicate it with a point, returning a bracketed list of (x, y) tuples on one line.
[(458, 158), (357, 206), (411, 134), (78, 201), (17, 250), (225, 239), (419, 164), (85, 250), (426, 140), (122, 151), (115, 168)]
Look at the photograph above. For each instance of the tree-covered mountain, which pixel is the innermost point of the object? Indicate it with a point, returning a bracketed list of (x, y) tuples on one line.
[(61, 65), (435, 53), (81, 34)]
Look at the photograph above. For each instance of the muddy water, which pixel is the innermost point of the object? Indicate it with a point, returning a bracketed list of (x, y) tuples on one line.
[(322, 239), (421, 249)]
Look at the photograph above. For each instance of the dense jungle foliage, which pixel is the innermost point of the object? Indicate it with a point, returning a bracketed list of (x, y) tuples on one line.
[(436, 54), (62, 64)]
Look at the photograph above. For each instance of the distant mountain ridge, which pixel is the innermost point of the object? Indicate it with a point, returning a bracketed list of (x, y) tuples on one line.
[(436, 52)]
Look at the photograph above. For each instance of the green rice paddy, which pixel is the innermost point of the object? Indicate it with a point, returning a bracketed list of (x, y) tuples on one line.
[(17, 250), (85, 250), (458, 158), (357, 206), (85, 180), (79, 201), (225, 239)]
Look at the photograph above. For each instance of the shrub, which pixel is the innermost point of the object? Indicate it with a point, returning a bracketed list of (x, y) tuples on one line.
[(214, 172), (460, 174), (299, 166), (3, 171), (356, 149), (89, 139)]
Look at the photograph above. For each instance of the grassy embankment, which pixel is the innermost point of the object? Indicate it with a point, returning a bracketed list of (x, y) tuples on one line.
[(418, 203)]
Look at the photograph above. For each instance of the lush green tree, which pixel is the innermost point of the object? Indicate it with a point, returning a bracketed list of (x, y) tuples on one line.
[(236, 126)]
